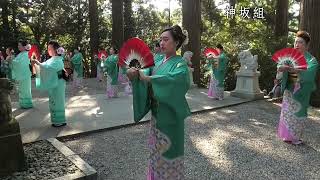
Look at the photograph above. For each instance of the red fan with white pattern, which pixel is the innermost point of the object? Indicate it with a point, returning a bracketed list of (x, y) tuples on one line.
[(211, 52), (102, 54), (34, 54), (290, 57), (135, 53)]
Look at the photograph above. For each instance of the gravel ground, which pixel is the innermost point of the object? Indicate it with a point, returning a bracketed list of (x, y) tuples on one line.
[(43, 162), (237, 142)]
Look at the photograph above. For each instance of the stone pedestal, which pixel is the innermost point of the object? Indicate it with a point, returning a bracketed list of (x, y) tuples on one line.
[(248, 85), (11, 149), (192, 84)]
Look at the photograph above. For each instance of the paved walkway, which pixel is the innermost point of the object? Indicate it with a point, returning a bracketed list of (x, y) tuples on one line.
[(89, 110)]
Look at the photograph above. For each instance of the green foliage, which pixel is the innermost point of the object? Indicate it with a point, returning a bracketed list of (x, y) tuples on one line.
[(241, 34), (67, 22)]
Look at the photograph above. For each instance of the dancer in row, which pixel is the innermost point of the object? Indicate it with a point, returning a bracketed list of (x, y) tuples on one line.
[(297, 86), (52, 78), (218, 66), (162, 90), (111, 70), (77, 64), (22, 75)]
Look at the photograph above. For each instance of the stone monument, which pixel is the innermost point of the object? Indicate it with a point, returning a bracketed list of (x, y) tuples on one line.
[(248, 77), (11, 149)]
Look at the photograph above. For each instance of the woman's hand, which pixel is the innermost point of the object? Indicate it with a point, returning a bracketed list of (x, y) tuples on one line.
[(144, 77), (132, 73), (288, 69), (210, 57), (283, 68), (36, 61), (293, 70)]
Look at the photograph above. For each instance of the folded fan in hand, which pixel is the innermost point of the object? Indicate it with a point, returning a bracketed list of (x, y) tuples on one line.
[(290, 57), (102, 54), (135, 53), (34, 53), (211, 52)]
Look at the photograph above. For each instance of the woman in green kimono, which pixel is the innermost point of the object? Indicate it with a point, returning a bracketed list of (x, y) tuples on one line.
[(9, 58), (110, 68), (297, 86), (4, 66), (50, 78), (162, 90), (218, 65), (123, 79), (22, 75), (77, 65), (187, 56)]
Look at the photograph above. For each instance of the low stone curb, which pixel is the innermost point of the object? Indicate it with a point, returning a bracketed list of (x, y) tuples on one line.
[(88, 173)]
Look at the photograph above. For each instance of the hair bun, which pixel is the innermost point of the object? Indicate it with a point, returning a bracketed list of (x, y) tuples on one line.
[(27, 47), (60, 50), (186, 40)]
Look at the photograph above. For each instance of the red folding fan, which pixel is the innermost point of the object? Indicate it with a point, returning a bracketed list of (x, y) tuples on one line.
[(290, 57), (211, 52), (34, 54), (135, 53), (102, 54)]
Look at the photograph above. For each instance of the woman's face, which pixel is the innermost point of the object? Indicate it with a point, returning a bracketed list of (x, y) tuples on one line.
[(111, 50), (189, 57), (300, 44), (8, 52), (167, 43), (157, 49), (51, 50), (21, 47)]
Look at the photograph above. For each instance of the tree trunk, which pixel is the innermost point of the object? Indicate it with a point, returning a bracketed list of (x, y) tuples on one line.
[(309, 21), (79, 23), (191, 20), (5, 33), (129, 24), (117, 23), (232, 21), (94, 34), (14, 23), (281, 26)]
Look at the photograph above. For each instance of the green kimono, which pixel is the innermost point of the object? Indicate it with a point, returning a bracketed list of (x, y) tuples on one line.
[(158, 57), (6, 67), (110, 67), (297, 90), (77, 64), (216, 87), (165, 97), (9, 59), (22, 74), (50, 79)]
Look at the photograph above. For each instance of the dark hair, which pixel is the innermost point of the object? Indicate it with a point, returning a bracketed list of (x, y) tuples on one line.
[(114, 49), (219, 46), (55, 44), (304, 35), (177, 34), (23, 42), (157, 44), (10, 48)]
